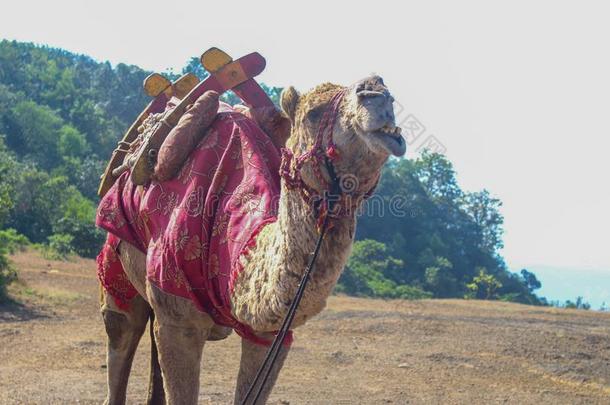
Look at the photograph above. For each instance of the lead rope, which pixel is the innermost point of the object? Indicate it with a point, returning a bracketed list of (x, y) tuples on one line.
[(265, 368), (327, 123)]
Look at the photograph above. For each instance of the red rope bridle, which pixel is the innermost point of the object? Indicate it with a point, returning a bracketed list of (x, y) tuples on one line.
[(344, 204)]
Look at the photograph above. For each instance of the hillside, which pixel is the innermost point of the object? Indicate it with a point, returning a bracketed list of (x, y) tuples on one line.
[(420, 235), (358, 351)]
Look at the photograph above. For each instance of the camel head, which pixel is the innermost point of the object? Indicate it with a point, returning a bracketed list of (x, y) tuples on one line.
[(364, 133)]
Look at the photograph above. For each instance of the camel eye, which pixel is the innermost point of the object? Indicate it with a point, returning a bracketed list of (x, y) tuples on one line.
[(315, 113)]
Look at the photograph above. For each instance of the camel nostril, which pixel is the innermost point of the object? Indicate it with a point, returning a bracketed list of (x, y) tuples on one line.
[(372, 86)]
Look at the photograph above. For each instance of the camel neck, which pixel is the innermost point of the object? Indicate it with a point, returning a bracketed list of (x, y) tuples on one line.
[(273, 269), (298, 225)]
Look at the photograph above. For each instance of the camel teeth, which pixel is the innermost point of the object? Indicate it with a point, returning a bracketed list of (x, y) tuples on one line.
[(391, 130), (388, 129)]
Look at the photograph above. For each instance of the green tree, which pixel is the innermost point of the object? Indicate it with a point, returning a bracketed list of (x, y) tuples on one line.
[(437, 176), (89, 118), (485, 212), (194, 66), (484, 286), (61, 245), (34, 131), (530, 280), (442, 234), (440, 279), (7, 273), (84, 173), (77, 220), (71, 143), (273, 93), (10, 242), (8, 172), (370, 271)]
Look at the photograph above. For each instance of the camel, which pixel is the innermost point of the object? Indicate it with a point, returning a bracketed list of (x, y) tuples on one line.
[(365, 135)]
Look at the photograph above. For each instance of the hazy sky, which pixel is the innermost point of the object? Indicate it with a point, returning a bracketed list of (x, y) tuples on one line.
[(517, 92)]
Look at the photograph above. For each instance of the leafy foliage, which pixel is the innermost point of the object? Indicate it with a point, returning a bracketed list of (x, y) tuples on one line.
[(7, 273), (483, 286), (61, 115), (60, 246), (441, 235), (371, 272), (10, 242)]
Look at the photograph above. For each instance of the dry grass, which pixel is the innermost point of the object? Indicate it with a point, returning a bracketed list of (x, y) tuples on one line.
[(358, 351)]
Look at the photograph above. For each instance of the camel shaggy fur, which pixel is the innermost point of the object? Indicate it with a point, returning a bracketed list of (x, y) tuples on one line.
[(365, 136)]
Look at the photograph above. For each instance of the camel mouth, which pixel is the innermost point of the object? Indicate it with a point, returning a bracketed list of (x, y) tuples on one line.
[(391, 139)]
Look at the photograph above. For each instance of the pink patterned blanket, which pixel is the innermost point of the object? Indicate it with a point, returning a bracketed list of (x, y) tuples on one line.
[(195, 227)]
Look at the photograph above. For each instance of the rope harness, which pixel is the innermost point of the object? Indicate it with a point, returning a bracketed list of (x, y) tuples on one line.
[(331, 198), (342, 191)]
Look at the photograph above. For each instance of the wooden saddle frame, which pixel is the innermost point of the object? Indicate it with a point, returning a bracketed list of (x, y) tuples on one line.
[(225, 74)]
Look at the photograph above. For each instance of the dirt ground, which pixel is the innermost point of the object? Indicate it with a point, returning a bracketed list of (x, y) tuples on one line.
[(358, 351)]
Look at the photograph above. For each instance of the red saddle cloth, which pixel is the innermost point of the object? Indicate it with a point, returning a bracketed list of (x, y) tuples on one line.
[(195, 227)]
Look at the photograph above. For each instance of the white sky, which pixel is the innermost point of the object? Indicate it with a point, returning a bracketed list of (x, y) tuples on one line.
[(518, 92)]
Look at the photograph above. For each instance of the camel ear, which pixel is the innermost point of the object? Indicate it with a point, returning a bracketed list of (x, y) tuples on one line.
[(289, 100)]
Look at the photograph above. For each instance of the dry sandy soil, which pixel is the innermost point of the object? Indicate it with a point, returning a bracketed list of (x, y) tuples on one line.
[(358, 351)]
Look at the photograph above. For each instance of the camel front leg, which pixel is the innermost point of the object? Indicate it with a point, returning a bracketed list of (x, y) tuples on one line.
[(180, 349), (252, 356), (180, 333)]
